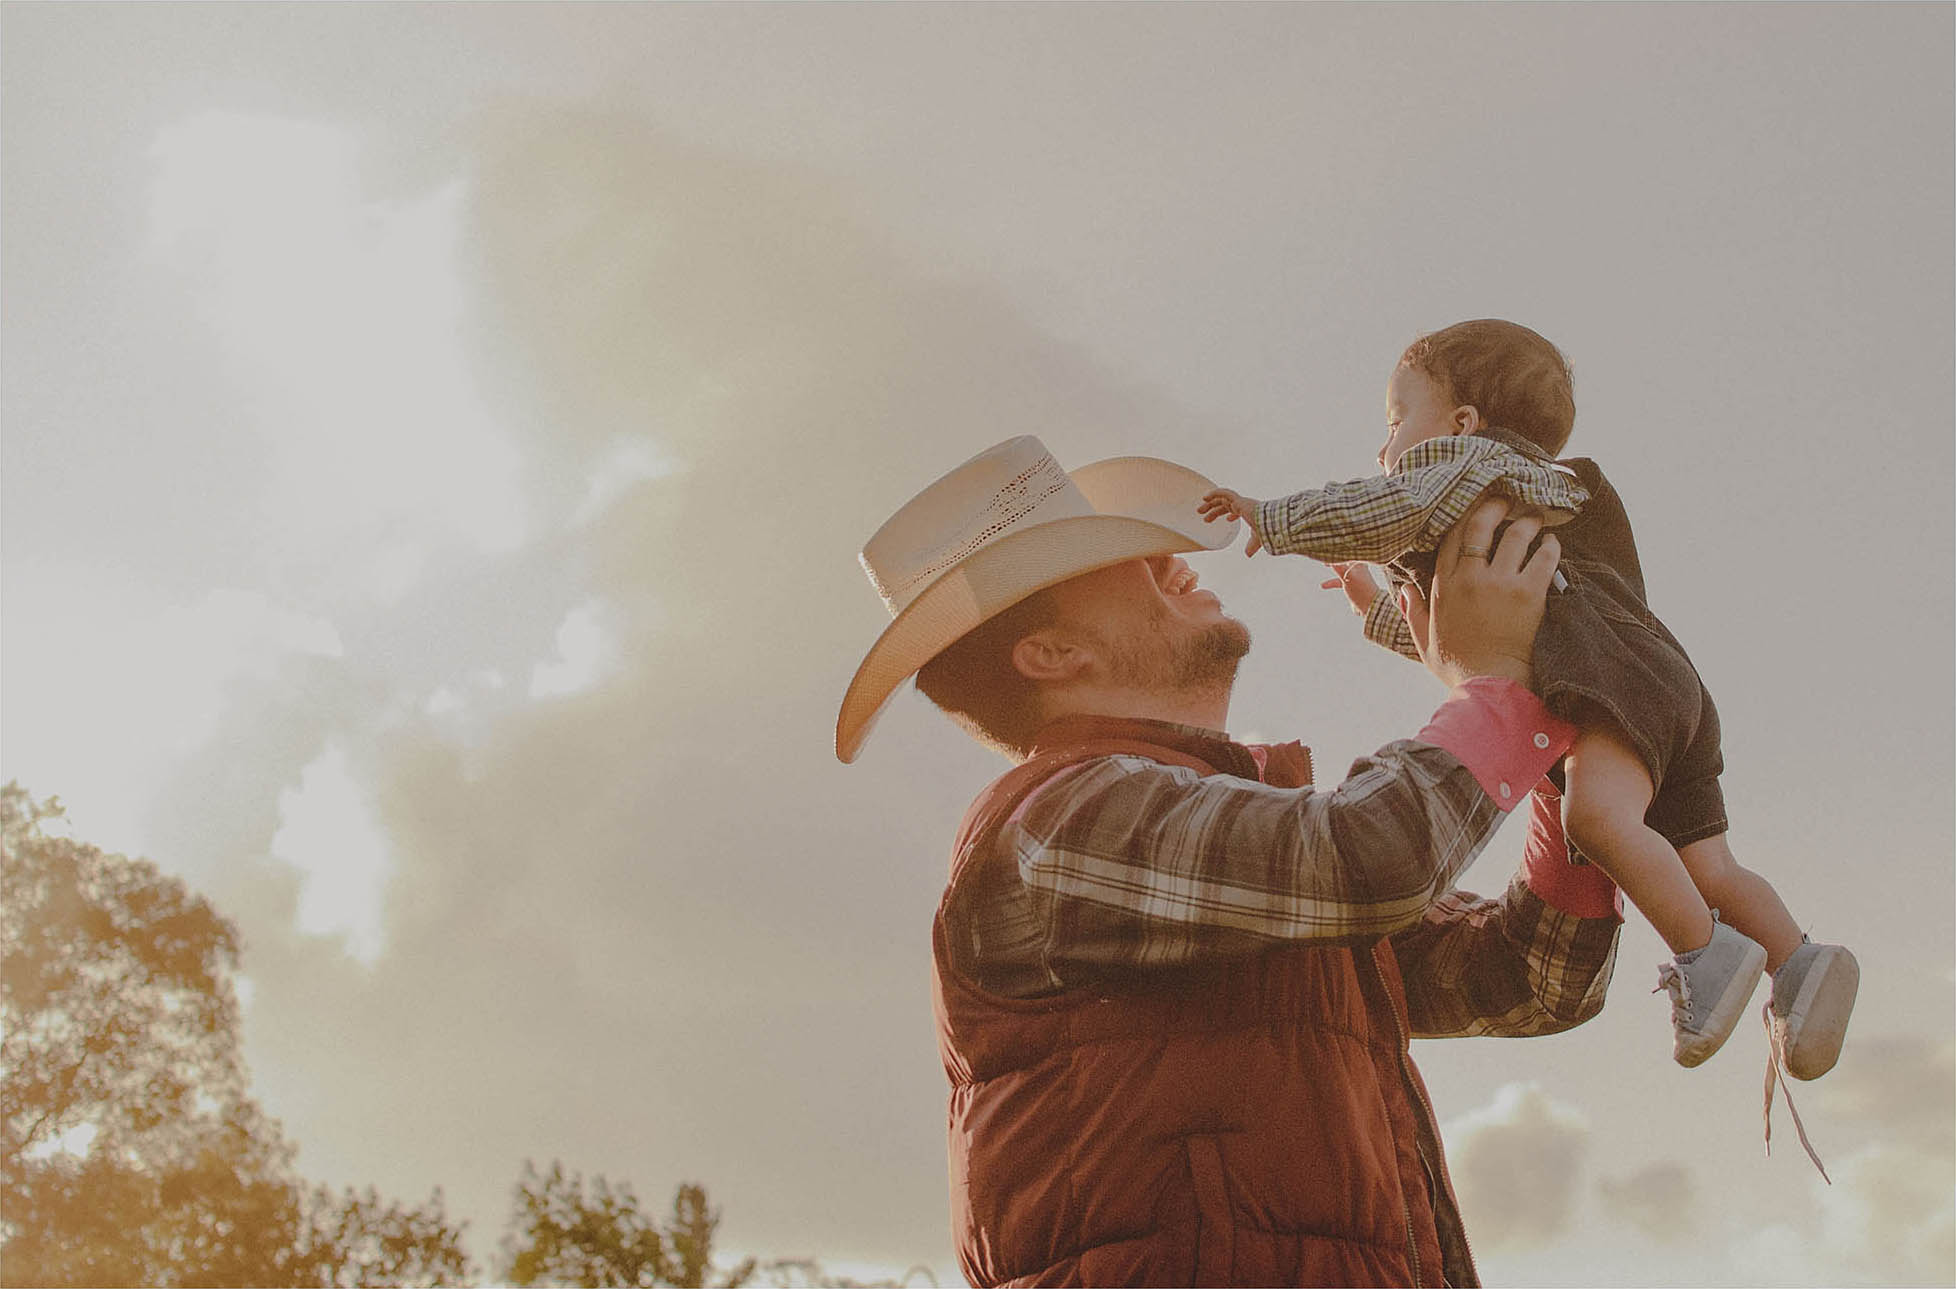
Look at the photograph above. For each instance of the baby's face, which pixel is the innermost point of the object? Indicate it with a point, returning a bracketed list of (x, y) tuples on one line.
[(1416, 410)]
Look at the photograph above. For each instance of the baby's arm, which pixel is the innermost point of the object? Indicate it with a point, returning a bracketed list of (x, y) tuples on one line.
[(1431, 487), (1367, 519), (1384, 624), (1223, 502), (1387, 627), (1377, 519)]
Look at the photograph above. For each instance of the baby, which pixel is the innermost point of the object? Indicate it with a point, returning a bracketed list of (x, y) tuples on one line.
[(1489, 404)]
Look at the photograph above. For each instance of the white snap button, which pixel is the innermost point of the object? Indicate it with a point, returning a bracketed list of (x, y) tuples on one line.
[(1541, 740), (1506, 791)]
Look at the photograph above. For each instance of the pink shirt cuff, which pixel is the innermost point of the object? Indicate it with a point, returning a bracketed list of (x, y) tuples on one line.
[(1502, 733), (1581, 889), (1508, 739)]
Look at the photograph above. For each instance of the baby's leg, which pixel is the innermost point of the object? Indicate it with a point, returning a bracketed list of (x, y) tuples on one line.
[(1603, 811), (1742, 897)]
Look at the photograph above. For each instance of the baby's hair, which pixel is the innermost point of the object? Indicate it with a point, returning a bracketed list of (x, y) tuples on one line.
[(1516, 379)]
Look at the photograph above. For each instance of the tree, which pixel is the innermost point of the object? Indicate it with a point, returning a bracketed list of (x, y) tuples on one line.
[(131, 1152), (690, 1233), (559, 1235), (808, 1273), (119, 1023), (115, 990), (358, 1240)]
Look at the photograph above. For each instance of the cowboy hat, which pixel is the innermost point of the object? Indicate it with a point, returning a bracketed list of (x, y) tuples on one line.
[(1003, 525)]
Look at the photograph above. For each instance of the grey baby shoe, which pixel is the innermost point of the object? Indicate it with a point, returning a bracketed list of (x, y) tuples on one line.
[(1709, 992), (1813, 995)]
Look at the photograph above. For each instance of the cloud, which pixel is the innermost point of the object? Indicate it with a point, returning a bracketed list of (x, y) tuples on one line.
[(328, 832), (1659, 1200), (1896, 1213), (107, 684), (621, 865), (1889, 1219), (1517, 1166), (628, 463), (1900, 1088), (1890, 1215), (1892, 1209), (584, 654), (339, 312)]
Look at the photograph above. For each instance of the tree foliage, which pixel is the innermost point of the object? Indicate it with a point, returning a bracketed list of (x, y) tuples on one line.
[(359, 1240), (808, 1273), (116, 993), (561, 1235), (130, 1150), (690, 1235)]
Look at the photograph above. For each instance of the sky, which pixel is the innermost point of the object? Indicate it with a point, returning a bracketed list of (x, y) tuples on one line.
[(437, 440)]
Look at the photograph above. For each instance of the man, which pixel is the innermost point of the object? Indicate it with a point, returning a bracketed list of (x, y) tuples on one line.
[(1175, 983)]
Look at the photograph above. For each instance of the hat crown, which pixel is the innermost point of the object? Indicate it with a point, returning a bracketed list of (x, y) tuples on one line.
[(1008, 487), (1000, 527)]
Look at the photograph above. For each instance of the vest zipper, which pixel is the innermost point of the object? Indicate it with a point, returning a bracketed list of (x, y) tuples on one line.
[(1412, 1241), (1443, 1189), (1399, 1047)]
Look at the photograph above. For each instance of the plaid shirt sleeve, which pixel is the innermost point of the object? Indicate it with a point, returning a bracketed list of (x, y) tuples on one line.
[(1123, 863), (1512, 967), (1386, 626), (1535, 961), (1429, 490)]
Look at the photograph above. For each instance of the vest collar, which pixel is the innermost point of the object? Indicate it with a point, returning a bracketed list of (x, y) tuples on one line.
[(1283, 765), (1508, 438), (1531, 450)]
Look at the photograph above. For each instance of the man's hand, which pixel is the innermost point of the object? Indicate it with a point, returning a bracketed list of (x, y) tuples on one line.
[(1223, 502), (1486, 604)]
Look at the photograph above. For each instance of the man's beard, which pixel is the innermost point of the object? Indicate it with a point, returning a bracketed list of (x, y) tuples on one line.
[(1199, 661)]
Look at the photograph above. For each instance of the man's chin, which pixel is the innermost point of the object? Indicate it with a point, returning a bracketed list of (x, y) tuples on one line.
[(1228, 638), (1212, 654)]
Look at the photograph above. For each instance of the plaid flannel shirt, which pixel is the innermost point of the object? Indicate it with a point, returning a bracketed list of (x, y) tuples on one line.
[(1383, 518), (1122, 865)]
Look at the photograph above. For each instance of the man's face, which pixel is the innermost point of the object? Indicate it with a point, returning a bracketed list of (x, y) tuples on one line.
[(1152, 628)]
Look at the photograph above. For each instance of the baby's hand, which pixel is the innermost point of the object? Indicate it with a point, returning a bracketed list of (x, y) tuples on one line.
[(1358, 584), (1223, 502)]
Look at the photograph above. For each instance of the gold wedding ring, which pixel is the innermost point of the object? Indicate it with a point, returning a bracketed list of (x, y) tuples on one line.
[(1479, 552)]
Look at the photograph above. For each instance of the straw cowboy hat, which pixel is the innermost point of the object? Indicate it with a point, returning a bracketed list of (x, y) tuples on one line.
[(1006, 523)]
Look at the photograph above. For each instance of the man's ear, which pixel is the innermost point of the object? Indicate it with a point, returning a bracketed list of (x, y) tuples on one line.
[(1049, 656), (1466, 419)]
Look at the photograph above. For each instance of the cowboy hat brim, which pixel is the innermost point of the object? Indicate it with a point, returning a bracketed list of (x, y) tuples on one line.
[(1145, 507)]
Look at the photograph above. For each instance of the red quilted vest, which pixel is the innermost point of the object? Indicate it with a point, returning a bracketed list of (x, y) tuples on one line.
[(1258, 1122)]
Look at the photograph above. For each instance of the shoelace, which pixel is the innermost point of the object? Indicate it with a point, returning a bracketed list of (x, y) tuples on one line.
[(1669, 977), (1776, 1075)]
